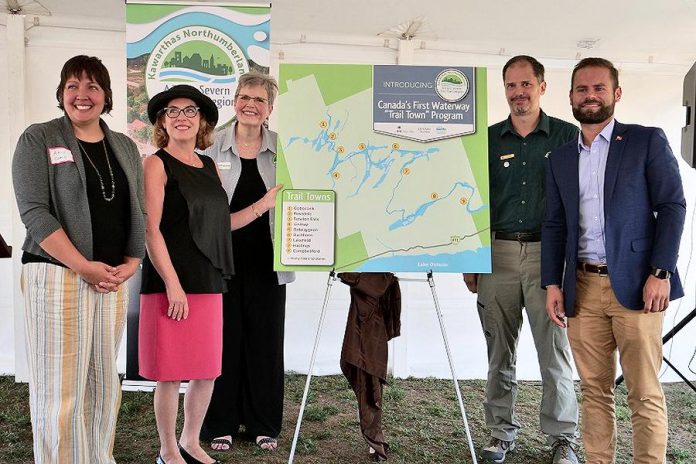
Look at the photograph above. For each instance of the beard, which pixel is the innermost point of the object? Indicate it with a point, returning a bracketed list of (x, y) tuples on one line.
[(602, 114), (520, 106)]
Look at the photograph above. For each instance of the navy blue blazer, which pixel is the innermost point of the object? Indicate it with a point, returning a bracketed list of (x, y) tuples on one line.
[(644, 210)]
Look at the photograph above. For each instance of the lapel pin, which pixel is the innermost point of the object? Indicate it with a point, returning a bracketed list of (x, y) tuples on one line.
[(619, 137)]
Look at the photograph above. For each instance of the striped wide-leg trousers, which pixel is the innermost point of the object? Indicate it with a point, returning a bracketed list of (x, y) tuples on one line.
[(72, 339)]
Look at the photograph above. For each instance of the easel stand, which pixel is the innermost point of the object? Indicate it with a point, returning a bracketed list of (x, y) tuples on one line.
[(431, 283), (667, 337), (329, 284)]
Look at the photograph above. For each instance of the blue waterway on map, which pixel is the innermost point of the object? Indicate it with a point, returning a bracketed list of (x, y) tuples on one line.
[(464, 261), (407, 219), (378, 162)]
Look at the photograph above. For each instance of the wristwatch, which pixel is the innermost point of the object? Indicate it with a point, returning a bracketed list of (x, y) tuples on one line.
[(660, 273)]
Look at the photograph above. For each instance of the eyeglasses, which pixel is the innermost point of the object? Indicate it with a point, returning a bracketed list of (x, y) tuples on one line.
[(247, 99), (173, 111)]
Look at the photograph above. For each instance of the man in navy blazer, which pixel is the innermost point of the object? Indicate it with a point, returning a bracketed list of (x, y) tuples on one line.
[(614, 216)]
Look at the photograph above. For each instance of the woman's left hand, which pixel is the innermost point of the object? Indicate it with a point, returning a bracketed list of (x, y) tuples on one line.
[(268, 201), (255, 210), (123, 272), (126, 270)]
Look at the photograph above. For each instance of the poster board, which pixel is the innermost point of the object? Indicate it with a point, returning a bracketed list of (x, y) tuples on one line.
[(404, 148)]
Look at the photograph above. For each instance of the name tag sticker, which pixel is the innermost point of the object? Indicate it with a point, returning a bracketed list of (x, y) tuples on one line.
[(505, 157), (60, 155), (224, 165)]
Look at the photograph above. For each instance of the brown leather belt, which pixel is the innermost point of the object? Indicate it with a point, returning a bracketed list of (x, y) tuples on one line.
[(519, 236), (600, 269)]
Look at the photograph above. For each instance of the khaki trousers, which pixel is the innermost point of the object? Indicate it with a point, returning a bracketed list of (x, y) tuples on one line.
[(515, 284), (601, 326), (72, 339)]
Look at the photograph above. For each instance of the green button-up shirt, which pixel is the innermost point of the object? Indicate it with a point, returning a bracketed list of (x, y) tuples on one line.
[(517, 169)]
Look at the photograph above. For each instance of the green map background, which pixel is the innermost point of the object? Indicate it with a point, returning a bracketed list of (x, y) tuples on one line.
[(338, 82)]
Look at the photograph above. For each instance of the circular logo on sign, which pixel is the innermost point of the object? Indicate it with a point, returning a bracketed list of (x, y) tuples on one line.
[(202, 57), (451, 85)]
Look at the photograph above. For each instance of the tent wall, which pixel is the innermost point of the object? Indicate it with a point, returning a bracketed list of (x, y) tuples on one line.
[(652, 96), (6, 209)]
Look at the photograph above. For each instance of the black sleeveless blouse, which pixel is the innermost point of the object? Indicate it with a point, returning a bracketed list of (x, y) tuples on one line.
[(195, 225)]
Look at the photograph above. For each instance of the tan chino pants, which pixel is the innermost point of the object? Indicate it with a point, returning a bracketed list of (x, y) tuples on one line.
[(600, 328)]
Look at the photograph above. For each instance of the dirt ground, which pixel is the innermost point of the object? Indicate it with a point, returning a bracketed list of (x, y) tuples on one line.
[(422, 424)]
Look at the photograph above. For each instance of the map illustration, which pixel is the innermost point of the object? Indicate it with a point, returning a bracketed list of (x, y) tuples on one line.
[(401, 205)]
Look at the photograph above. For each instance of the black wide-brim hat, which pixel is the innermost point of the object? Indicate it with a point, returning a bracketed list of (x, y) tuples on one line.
[(206, 105)]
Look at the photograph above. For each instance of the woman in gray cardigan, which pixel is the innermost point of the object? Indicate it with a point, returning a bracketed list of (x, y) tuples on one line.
[(79, 192)]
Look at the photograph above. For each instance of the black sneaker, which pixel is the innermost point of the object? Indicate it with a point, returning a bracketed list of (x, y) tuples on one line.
[(497, 449)]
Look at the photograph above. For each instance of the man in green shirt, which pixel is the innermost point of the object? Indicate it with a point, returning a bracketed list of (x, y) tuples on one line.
[(517, 151)]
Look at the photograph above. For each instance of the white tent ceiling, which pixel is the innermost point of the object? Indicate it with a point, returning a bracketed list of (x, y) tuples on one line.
[(633, 33)]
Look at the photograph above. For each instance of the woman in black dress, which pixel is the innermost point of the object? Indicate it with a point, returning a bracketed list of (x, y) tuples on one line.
[(250, 390)]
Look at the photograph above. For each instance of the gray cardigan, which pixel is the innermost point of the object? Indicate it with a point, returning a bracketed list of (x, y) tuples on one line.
[(51, 190), (224, 152)]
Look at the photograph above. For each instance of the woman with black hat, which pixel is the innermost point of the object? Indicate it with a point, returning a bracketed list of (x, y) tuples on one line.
[(189, 255)]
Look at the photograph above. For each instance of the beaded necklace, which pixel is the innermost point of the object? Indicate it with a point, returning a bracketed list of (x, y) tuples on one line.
[(111, 173)]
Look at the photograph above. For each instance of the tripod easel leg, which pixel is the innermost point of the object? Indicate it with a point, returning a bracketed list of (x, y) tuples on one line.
[(329, 284), (667, 337), (431, 282)]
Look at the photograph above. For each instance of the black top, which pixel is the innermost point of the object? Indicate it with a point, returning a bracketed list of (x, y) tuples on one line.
[(195, 225), (517, 169), (252, 243), (110, 219)]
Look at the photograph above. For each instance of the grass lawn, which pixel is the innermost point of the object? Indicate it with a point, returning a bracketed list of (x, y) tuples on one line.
[(421, 421)]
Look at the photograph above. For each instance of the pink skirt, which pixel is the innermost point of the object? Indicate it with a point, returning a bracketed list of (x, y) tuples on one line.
[(171, 350)]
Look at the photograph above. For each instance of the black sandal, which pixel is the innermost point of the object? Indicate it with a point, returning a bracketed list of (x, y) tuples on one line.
[(267, 441), (221, 441)]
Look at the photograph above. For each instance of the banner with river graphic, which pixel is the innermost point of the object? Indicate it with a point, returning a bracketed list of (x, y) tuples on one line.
[(207, 47)]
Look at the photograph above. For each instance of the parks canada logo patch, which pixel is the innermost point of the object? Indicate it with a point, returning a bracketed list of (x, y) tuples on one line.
[(451, 85), (202, 57)]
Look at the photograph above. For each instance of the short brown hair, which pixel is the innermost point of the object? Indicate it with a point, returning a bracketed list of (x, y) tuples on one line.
[(204, 138), (255, 78), (596, 63), (95, 70), (537, 67)]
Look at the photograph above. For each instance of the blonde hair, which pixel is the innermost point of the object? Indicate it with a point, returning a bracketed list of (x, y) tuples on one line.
[(254, 78)]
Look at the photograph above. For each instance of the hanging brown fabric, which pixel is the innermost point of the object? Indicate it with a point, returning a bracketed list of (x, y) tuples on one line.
[(373, 320)]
